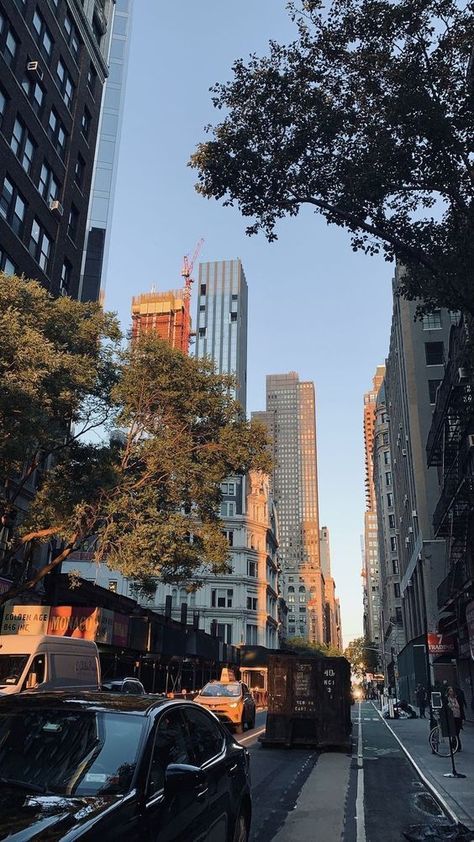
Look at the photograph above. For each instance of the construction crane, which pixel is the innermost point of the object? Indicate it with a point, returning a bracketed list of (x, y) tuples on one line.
[(186, 273)]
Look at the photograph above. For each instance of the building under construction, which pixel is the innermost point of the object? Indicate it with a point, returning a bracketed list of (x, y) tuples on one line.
[(165, 314)]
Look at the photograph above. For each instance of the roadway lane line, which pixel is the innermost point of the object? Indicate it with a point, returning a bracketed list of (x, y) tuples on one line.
[(437, 796), (360, 815), (252, 735)]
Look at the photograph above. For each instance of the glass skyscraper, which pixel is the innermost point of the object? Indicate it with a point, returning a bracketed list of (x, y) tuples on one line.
[(221, 320)]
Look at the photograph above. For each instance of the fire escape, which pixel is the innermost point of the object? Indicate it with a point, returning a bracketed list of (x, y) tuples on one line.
[(450, 447)]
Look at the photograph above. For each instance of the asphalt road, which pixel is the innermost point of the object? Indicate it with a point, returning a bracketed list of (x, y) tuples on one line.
[(381, 797)]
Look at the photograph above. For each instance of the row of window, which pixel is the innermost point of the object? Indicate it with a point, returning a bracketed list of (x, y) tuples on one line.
[(13, 210)]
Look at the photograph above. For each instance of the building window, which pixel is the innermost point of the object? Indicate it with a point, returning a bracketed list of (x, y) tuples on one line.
[(57, 133), (42, 35), (40, 245), (385, 438), (291, 597), (252, 602), (35, 94), (6, 264), (228, 509), (398, 615), (388, 478), (8, 41), (432, 389), (202, 308), (65, 281), (73, 223), (65, 83), (391, 521), (302, 609), (202, 332), (393, 543), (47, 185), (229, 534), (91, 78), (386, 457), (228, 488), (113, 584), (224, 632), (23, 145), (203, 289), (390, 500), (72, 36), (251, 569), (3, 105), (222, 597), (395, 568), (251, 635), (396, 590), (79, 171), (434, 353), (233, 317), (432, 321), (12, 206), (86, 123)]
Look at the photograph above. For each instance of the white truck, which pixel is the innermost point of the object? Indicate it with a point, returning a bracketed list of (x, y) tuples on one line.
[(47, 662)]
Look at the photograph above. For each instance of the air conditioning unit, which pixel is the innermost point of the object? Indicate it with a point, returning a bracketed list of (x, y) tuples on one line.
[(56, 207), (462, 375), (407, 540), (33, 68), (470, 441), (410, 528), (414, 513), (404, 453)]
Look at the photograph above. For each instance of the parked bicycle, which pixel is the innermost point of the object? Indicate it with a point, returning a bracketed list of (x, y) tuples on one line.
[(440, 744)]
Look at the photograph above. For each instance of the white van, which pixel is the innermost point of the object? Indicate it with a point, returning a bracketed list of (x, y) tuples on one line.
[(47, 662)]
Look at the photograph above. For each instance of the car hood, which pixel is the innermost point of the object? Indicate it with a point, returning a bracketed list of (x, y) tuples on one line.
[(219, 700), (39, 817)]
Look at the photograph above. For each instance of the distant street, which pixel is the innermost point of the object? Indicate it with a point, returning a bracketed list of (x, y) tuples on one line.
[(378, 775)]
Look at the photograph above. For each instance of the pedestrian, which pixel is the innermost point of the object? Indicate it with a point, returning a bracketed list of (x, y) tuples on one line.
[(456, 706), (421, 700)]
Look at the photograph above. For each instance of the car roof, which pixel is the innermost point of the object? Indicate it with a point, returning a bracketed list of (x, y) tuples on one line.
[(86, 700)]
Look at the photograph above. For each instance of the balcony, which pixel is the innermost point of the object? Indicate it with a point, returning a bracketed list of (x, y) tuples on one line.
[(458, 579)]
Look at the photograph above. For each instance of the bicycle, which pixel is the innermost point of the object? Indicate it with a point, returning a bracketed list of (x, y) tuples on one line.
[(440, 745)]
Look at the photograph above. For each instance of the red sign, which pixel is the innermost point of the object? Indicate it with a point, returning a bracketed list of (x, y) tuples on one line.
[(440, 644)]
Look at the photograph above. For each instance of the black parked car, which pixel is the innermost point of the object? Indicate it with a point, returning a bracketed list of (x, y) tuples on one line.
[(98, 766), (124, 685)]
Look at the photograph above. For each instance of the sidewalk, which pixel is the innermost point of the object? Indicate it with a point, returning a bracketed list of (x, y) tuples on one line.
[(456, 794)]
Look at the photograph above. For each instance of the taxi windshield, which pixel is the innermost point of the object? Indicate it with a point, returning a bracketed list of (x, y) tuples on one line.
[(217, 688)]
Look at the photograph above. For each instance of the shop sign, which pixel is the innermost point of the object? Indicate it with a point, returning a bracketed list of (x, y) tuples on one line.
[(470, 626), (25, 619), (72, 621), (440, 644), (120, 630), (105, 630)]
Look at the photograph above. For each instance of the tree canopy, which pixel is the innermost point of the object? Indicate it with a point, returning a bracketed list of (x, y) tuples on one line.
[(362, 655), (368, 118), (305, 647), (148, 497)]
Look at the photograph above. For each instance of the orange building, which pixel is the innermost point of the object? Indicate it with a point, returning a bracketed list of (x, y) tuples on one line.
[(164, 313)]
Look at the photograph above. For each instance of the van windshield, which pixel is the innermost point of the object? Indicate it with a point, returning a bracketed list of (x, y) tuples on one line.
[(11, 668)]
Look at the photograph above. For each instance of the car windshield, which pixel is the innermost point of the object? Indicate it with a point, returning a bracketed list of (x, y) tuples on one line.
[(70, 752), (11, 668), (217, 689)]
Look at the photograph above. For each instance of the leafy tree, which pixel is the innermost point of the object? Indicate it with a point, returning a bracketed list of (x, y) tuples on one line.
[(362, 655), (305, 647), (150, 498), (368, 118)]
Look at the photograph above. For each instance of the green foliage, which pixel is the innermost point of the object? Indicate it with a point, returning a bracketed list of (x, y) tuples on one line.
[(362, 655), (150, 501), (367, 117), (304, 647)]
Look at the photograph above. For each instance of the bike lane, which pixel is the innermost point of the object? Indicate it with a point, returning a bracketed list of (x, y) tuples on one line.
[(393, 795)]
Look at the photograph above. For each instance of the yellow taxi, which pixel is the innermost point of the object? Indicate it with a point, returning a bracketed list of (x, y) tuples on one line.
[(230, 700)]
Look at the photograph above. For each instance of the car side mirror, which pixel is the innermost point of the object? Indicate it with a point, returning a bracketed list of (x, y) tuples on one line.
[(181, 777)]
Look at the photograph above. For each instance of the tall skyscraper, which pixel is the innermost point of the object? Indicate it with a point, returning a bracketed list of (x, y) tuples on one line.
[(53, 66), (332, 630), (221, 320), (163, 313), (290, 418), (370, 570), (96, 247)]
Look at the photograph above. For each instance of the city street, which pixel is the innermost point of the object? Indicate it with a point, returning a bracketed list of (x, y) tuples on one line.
[(296, 790)]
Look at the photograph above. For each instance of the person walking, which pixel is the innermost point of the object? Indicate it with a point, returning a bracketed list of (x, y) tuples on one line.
[(421, 700), (455, 704)]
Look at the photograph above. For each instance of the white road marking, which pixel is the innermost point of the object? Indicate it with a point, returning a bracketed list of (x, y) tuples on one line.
[(360, 815), (252, 735)]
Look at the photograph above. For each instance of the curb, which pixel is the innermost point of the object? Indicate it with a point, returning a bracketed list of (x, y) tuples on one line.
[(434, 792)]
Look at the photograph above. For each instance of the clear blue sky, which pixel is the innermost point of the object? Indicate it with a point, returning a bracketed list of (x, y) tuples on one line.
[(315, 307)]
